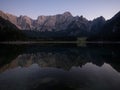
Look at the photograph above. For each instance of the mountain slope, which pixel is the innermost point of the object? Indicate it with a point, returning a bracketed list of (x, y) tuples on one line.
[(9, 31), (110, 31)]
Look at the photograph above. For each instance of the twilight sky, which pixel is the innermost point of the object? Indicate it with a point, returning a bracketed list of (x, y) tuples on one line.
[(88, 8)]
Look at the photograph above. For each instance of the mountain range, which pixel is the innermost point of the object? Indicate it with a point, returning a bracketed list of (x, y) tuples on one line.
[(64, 25), (49, 23)]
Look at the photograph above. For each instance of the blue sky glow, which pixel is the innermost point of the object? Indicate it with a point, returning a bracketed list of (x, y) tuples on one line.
[(88, 8)]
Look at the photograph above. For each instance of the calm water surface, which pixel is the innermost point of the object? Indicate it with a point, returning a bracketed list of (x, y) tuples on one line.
[(59, 67)]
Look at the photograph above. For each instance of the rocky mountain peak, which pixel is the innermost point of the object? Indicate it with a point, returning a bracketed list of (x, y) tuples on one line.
[(67, 14), (41, 17), (10, 17), (3, 15), (81, 18), (25, 19), (99, 19), (1, 12)]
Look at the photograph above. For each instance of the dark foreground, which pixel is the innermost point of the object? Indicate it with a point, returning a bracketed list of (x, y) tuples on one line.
[(60, 67)]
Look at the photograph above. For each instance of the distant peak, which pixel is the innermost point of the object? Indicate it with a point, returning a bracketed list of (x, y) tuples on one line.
[(42, 17), (81, 16), (100, 18), (67, 13), (1, 11), (21, 16), (24, 16)]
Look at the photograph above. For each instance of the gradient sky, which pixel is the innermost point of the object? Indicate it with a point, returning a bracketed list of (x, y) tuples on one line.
[(88, 8)]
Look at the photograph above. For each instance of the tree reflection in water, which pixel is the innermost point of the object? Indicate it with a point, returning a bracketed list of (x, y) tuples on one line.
[(59, 67)]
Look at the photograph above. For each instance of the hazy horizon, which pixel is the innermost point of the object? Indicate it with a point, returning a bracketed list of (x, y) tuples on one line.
[(90, 9)]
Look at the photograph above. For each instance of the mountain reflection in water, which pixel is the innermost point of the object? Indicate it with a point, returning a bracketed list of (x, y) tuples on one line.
[(59, 67)]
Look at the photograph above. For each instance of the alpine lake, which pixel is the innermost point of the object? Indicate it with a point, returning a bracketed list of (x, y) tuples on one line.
[(61, 66)]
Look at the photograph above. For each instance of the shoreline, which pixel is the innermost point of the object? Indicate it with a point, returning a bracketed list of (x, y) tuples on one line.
[(59, 42)]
